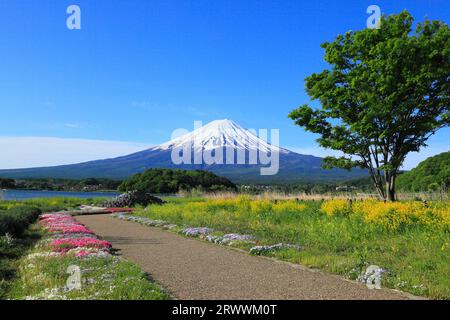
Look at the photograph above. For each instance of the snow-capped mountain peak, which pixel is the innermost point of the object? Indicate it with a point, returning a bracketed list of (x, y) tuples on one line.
[(292, 166), (221, 133)]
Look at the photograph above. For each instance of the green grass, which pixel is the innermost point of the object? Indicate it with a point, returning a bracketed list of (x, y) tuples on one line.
[(180, 200), (105, 278), (417, 257), (15, 240), (22, 277), (50, 204), (15, 220), (10, 255)]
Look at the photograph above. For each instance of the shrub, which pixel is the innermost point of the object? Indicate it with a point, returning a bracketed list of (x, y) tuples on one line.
[(17, 219)]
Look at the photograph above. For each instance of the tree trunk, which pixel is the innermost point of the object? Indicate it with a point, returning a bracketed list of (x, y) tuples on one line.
[(390, 186), (380, 190)]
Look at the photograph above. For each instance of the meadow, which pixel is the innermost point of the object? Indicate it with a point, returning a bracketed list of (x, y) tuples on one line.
[(35, 256), (43, 274), (409, 239), (15, 240)]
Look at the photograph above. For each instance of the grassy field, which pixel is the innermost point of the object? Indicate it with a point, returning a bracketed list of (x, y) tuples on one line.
[(29, 269), (50, 204), (409, 239), (18, 236), (11, 251), (15, 240), (42, 277)]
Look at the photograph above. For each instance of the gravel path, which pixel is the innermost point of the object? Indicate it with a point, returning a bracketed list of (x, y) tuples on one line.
[(192, 269)]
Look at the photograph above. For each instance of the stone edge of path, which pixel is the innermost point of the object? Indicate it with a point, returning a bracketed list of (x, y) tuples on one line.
[(301, 267), (407, 295)]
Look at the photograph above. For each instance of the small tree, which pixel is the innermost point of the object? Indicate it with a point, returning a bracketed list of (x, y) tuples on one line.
[(386, 93)]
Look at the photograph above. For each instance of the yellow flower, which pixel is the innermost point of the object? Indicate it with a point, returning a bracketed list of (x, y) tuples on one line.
[(288, 206), (393, 215), (336, 206)]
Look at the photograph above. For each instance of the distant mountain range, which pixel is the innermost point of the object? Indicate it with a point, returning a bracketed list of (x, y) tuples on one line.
[(212, 139)]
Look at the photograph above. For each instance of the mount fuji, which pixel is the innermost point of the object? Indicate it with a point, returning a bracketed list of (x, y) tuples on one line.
[(207, 142)]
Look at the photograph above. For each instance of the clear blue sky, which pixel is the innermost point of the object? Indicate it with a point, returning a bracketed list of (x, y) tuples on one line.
[(139, 69)]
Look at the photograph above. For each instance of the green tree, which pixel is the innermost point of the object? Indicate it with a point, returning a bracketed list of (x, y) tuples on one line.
[(174, 180), (7, 183), (431, 174), (386, 93)]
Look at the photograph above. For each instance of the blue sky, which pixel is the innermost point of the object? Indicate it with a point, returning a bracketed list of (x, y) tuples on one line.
[(137, 70)]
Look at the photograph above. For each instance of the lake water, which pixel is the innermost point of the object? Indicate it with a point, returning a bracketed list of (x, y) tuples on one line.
[(30, 194)]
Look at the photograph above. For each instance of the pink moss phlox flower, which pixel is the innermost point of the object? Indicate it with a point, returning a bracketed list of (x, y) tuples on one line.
[(54, 215), (91, 253), (65, 244), (70, 229), (59, 221), (72, 237), (63, 223)]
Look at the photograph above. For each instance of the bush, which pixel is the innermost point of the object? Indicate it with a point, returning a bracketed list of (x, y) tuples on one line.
[(16, 220)]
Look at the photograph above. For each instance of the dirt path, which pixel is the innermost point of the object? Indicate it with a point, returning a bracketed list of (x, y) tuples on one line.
[(192, 269)]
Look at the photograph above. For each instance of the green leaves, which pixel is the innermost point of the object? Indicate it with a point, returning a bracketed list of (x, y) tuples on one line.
[(342, 162), (315, 121), (174, 180), (434, 170), (387, 91)]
